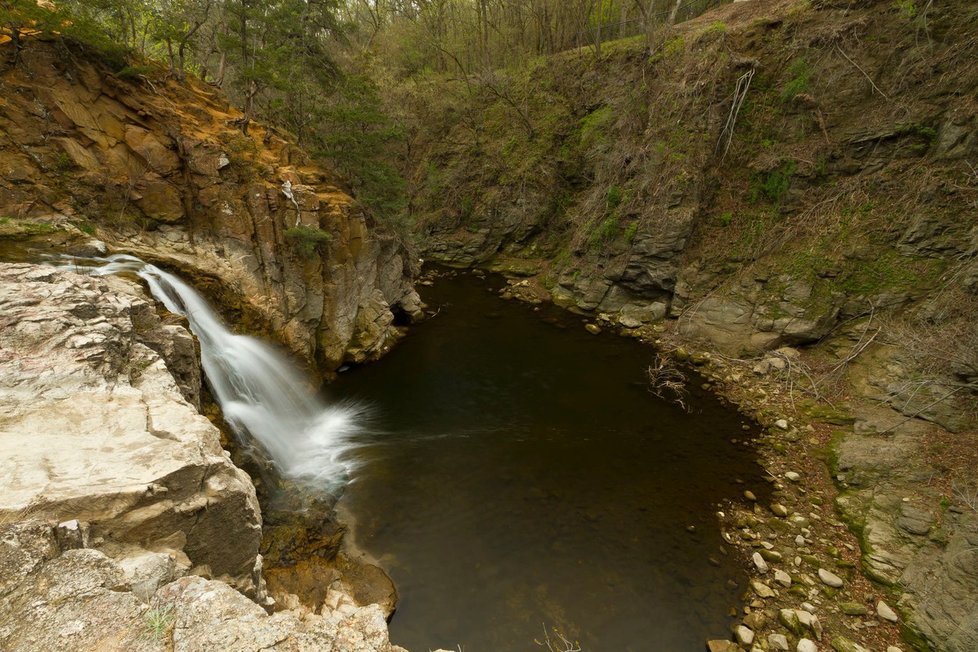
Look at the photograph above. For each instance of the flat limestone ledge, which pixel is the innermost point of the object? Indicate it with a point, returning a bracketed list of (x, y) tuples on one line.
[(81, 600), (94, 427)]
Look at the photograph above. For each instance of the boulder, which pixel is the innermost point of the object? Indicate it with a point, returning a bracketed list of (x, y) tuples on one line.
[(97, 431)]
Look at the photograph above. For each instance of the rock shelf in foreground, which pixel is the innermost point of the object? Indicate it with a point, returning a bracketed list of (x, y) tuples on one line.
[(99, 430)]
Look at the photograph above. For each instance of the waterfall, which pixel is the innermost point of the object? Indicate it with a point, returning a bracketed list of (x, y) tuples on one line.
[(263, 396)]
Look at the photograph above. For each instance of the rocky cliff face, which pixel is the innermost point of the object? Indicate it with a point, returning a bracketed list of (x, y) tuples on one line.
[(160, 169), (767, 174), (772, 173), (99, 432)]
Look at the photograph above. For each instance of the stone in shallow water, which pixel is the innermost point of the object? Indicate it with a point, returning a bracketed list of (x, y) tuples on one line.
[(722, 646), (829, 578)]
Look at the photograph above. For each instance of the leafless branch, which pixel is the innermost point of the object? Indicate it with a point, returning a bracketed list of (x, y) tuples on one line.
[(740, 94)]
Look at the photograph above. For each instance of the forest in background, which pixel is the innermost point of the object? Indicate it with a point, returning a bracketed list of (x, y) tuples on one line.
[(339, 75)]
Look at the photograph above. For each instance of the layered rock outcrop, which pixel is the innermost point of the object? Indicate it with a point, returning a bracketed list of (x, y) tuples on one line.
[(162, 171), (96, 428), (82, 600), (158, 542)]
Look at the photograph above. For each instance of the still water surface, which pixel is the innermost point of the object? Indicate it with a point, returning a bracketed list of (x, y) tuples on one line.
[(523, 476)]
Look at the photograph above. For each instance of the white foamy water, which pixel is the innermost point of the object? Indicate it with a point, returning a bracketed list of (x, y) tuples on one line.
[(264, 397)]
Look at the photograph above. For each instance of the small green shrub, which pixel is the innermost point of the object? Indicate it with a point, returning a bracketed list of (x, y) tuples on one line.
[(63, 163), (613, 197), (605, 232), (133, 72), (307, 239), (158, 622), (673, 46), (773, 185), (801, 76), (467, 208), (595, 125), (725, 218), (716, 27), (907, 8), (630, 231)]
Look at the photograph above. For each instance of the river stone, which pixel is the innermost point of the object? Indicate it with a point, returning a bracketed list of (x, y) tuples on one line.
[(744, 635), (829, 578), (96, 429), (593, 329), (755, 620), (759, 562), (843, 644), (777, 642), (782, 578), (779, 510), (762, 589), (781, 424), (717, 645), (806, 645), (789, 618), (885, 612), (792, 476), (853, 608)]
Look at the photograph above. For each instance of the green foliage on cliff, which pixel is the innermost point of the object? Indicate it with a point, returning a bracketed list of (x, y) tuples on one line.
[(307, 239)]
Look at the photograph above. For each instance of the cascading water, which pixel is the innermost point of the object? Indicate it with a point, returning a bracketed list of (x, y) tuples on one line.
[(263, 397)]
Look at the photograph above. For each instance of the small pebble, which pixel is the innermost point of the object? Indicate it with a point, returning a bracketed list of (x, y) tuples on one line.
[(791, 475), (749, 495)]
